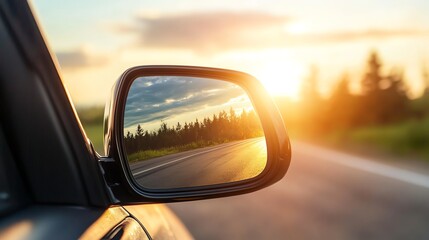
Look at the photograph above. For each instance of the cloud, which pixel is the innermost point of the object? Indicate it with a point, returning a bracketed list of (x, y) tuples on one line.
[(348, 36), (222, 31), (80, 58), (209, 31), (160, 98)]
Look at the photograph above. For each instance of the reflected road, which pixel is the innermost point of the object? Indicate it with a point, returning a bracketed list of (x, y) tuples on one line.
[(228, 162)]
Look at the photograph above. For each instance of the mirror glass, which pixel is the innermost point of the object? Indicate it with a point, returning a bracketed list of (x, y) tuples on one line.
[(187, 132)]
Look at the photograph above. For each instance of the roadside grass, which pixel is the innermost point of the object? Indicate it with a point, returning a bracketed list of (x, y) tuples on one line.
[(148, 154), (410, 138), (95, 133), (92, 121)]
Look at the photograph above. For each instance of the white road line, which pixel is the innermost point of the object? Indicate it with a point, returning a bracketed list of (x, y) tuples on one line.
[(363, 164), (183, 158)]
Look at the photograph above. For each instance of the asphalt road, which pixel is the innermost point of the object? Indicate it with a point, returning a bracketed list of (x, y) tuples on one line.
[(325, 195), (221, 163)]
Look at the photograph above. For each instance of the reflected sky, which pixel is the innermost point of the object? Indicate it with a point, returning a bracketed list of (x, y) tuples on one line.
[(173, 99)]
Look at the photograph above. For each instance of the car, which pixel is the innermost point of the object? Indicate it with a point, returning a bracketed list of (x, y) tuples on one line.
[(54, 185)]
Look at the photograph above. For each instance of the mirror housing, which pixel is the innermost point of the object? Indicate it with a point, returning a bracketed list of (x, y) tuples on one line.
[(115, 167)]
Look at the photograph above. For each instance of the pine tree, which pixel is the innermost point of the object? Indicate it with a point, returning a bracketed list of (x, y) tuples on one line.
[(371, 104), (139, 131), (341, 107), (372, 78), (425, 76), (310, 88)]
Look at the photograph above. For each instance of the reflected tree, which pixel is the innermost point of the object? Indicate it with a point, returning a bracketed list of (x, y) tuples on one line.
[(220, 128)]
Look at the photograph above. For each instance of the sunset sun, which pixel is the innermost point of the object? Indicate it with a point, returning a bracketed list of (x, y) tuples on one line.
[(281, 78)]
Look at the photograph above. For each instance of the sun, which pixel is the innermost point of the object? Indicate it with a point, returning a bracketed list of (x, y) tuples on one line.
[(281, 78), (296, 28)]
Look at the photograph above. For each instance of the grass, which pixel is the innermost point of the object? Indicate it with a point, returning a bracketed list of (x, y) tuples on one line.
[(410, 138), (148, 154), (92, 121), (403, 140), (95, 134)]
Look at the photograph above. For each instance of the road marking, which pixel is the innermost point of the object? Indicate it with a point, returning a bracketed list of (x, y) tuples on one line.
[(363, 164), (186, 157)]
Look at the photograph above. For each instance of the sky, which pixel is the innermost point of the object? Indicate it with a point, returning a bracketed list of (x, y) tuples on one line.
[(170, 99), (276, 41)]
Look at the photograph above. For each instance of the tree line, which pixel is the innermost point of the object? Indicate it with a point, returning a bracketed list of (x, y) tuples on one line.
[(220, 128), (383, 99)]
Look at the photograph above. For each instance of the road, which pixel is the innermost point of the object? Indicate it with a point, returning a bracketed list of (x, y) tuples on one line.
[(325, 195), (221, 163)]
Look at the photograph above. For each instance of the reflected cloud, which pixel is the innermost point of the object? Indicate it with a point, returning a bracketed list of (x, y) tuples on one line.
[(166, 97)]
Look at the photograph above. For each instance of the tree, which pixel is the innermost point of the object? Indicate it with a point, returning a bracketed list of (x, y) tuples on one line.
[(370, 109), (425, 76), (372, 78), (178, 127), (342, 91), (394, 96), (222, 128), (139, 131), (341, 106), (384, 97), (312, 106), (420, 105), (310, 88)]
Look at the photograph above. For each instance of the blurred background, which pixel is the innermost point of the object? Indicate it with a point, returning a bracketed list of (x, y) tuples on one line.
[(351, 79)]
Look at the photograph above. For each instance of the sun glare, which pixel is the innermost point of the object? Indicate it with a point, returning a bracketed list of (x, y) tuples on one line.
[(296, 28), (281, 78)]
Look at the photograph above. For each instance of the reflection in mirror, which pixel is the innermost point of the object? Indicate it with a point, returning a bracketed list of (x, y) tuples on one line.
[(187, 132)]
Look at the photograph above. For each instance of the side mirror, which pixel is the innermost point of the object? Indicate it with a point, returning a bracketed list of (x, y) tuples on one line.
[(176, 133)]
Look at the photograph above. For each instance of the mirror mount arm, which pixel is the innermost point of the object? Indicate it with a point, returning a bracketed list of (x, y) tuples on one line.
[(112, 174), (108, 168)]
